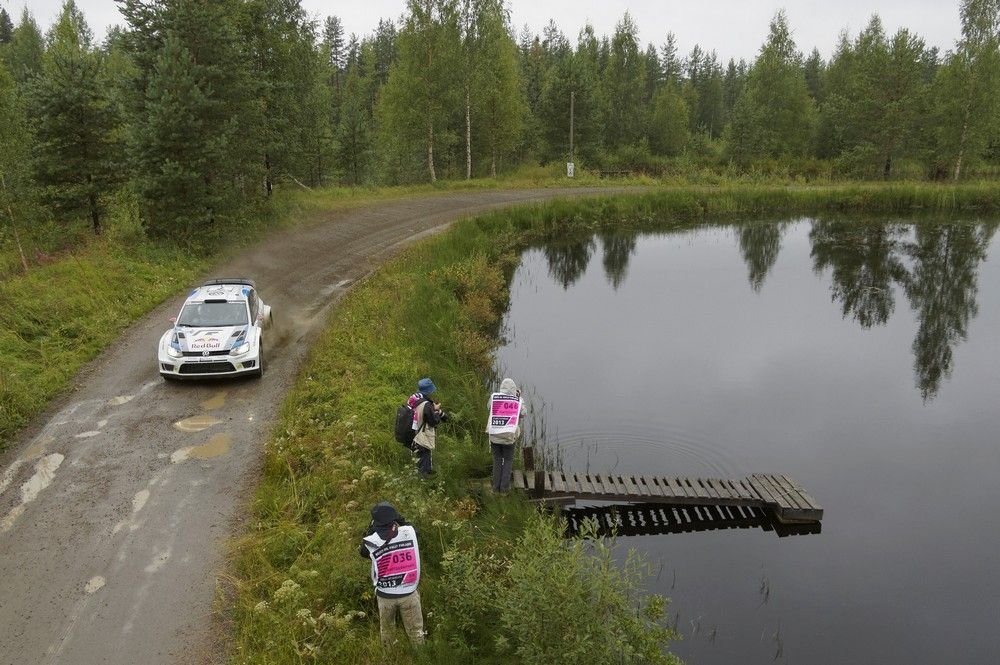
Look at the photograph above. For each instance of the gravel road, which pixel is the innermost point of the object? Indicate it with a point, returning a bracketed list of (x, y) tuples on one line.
[(116, 505)]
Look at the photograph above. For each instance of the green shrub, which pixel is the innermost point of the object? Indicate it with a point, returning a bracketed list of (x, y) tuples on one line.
[(545, 601)]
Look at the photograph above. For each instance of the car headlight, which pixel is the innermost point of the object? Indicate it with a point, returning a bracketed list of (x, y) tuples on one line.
[(241, 349), (174, 353)]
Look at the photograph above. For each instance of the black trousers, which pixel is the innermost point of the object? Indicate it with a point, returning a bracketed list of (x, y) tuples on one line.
[(424, 462)]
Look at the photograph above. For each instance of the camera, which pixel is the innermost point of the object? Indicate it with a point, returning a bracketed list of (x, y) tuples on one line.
[(445, 416)]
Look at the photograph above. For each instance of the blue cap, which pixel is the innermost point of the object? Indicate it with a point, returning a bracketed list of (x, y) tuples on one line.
[(426, 386)]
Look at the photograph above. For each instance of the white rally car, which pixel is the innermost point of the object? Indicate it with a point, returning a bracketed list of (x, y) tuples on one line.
[(219, 332)]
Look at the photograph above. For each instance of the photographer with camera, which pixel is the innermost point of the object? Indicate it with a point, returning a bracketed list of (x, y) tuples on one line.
[(427, 415), (391, 544)]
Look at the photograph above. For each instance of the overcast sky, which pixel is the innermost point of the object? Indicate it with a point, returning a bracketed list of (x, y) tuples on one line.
[(733, 28)]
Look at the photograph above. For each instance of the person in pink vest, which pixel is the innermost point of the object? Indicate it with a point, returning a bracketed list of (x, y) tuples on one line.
[(503, 426), (391, 544)]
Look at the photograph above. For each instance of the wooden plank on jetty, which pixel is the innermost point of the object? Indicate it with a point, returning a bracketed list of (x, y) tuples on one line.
[(775, 492), (708, 498)]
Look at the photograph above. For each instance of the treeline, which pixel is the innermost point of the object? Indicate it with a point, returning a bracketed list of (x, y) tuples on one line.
[(188, 114)]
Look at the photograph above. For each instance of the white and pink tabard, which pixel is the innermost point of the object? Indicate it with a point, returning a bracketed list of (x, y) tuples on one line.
[(396, 562), (505, 415)]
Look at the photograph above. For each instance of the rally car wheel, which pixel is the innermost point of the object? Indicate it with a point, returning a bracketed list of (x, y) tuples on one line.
[(260, 361)]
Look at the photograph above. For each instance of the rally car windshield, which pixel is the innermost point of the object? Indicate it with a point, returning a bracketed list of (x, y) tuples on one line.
[(213, 314)]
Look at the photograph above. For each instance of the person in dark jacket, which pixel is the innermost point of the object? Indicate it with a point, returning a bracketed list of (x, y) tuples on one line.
[(427, 415), (391, 545)]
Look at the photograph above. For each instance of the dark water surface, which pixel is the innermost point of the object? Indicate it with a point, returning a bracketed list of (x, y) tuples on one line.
[(859, 358)]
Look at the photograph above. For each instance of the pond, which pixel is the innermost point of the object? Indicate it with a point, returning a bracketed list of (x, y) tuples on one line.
[(858, 357)]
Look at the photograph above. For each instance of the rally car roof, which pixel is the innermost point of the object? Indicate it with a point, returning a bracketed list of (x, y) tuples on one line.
[(231, 280), (223, 291)]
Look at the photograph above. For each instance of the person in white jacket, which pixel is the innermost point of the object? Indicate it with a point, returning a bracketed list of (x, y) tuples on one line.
[(391, 544), (504, 428)]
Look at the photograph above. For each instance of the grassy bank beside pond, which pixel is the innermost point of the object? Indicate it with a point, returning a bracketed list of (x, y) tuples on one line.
[(61, 315), (499, 584)]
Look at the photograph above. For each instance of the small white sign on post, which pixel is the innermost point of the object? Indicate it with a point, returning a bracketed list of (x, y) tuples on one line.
[(569, 169)]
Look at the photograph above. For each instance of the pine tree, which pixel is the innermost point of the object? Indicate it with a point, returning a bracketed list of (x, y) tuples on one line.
[(354, 128), (6, 27), (24, 52), (16, 185), (775, 117), (711, 96), (588, 139), (73, 121), (194, 127), (534, 68), (174, 150), (691, 86), (669, 61), (653, 74), (383, 52), (732, 87), (279, 41), (333, 49), (814, 69), (334, 54), (624, 87)]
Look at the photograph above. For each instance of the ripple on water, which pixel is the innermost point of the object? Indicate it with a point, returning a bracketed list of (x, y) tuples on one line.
[(643, 451), (632, 443)]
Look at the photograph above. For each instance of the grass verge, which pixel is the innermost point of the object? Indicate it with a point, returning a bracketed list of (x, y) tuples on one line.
[(61, 315), (498, 582)]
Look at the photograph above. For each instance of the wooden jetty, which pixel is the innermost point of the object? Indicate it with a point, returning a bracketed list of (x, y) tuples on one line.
[(778, 493), (649, 519)]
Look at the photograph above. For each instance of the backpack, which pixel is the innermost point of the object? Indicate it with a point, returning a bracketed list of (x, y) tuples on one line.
[(404, 425)]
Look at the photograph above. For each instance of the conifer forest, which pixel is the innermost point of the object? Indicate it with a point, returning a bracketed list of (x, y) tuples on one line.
[(190, 112)]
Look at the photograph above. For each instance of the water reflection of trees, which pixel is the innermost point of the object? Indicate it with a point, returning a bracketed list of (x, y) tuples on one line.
[(865, 261), (937, 267), (760, 243), (618, 249), (568, 259), (942, 288)]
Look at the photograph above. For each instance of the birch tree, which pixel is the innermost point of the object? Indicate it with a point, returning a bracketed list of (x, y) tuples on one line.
[(500, 103), (967, 87), (422, 89)]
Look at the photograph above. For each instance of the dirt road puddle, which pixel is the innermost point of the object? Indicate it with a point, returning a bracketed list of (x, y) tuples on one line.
[(196, 423), (214, 447), (215, 402), (94, 585)]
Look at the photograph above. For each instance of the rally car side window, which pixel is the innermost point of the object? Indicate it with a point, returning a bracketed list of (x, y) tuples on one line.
[(252, 299)]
